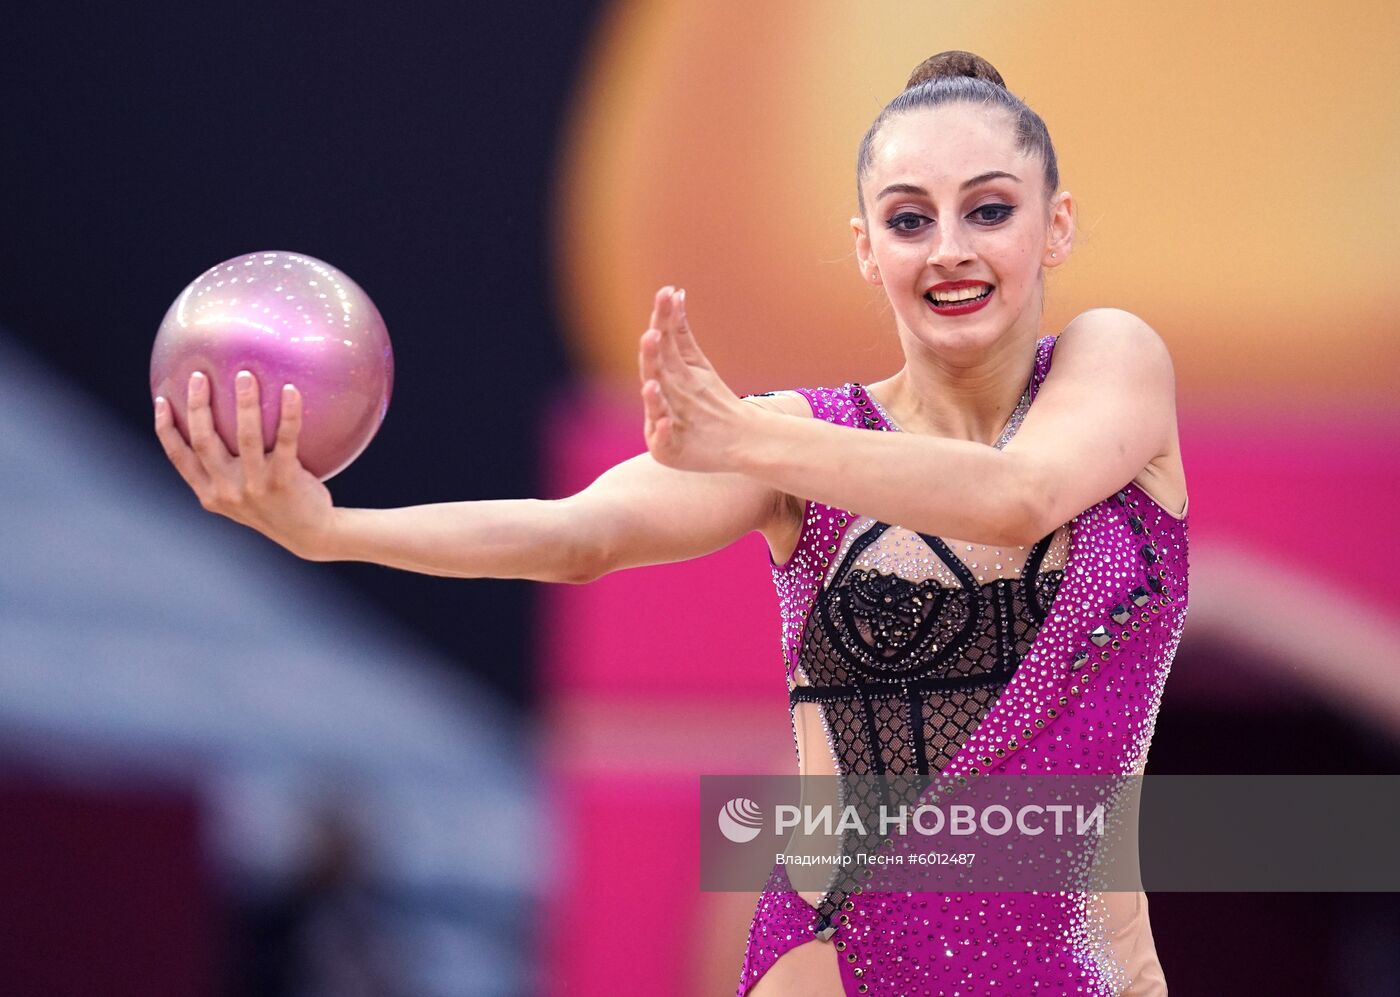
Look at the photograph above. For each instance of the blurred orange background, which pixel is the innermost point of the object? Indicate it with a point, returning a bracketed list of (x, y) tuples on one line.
[(1233, 166)]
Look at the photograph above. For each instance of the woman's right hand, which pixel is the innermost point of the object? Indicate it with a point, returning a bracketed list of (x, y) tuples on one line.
[(272, 493)]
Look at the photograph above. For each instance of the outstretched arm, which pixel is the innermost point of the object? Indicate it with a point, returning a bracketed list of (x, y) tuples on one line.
[(1105, 411), (636, 513), (639, 512)]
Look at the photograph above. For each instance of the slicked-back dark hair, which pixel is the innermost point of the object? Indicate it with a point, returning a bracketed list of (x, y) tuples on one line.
[(963, 77)]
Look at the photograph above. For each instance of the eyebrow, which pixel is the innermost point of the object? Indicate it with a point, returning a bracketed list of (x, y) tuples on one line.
[(909, 188)]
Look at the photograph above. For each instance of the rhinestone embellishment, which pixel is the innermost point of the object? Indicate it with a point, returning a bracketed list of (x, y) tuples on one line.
[(1126, 567)]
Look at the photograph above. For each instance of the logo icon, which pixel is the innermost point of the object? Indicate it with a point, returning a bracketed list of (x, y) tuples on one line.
[(740, 820)]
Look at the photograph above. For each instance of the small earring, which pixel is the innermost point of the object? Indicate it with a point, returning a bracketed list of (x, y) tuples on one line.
[(875, 275), (1053, 255)]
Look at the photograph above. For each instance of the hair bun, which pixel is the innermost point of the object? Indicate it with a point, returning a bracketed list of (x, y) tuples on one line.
[(954, 63)]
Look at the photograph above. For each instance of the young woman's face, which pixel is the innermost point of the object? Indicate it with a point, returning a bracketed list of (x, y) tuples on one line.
[(949, 198)]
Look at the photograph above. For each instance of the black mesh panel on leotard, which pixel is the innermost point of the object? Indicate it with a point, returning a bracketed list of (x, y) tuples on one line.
[(881, 649)]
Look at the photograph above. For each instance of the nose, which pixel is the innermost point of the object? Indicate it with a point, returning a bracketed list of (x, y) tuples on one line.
[(950, 247)]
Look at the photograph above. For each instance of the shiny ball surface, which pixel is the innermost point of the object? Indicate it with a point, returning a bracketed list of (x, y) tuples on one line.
[(289, 319)]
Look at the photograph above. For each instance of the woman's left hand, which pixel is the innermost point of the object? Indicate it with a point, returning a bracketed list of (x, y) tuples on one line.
[(693, 421)]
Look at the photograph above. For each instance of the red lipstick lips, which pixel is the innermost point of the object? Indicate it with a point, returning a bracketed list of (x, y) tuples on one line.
[(961, 307)]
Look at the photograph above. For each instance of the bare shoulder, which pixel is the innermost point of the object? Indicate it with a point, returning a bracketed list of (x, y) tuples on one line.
[(1114, 339), (1115, 343)]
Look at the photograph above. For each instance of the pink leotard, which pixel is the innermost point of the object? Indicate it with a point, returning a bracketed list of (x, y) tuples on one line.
[(906, 655)]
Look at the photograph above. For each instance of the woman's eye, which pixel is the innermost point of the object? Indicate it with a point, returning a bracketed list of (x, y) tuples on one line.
[(906, 221), (1001, 212), (987, 214)]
